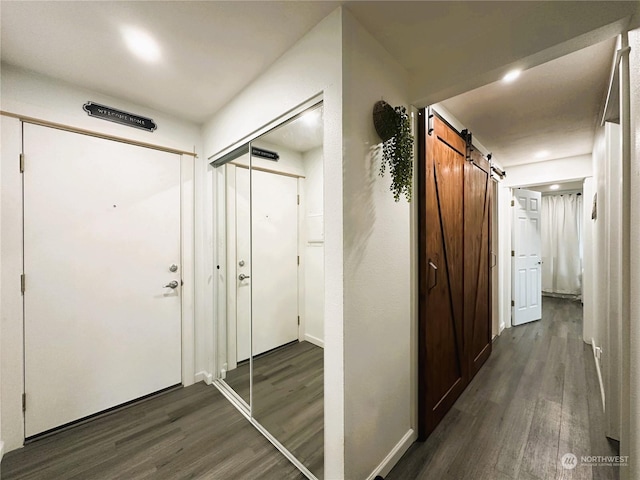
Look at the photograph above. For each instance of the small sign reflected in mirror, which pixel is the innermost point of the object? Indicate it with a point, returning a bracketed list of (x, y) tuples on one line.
[(266, 154)]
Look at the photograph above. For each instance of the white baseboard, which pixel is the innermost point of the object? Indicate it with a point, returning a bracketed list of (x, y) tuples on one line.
[(206, 376), (500, 328), (595, 359), (314, 340), (394, 455)]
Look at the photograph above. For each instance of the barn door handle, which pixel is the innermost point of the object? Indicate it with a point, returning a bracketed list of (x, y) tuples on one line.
[(495, 259), (435, 274)]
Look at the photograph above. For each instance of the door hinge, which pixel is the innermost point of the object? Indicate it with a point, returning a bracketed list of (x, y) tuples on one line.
[(298, 199), (513, 253), (513, 304), (21, 162), (22, 283), (298, 319), (24, 402), (513, 203)]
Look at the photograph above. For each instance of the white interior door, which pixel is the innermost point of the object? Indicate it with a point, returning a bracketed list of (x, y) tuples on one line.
[(101, 231), (527, 257)]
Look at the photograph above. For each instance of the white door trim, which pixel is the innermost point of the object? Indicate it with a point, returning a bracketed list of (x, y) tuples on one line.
[(93, 133), (187, 246)]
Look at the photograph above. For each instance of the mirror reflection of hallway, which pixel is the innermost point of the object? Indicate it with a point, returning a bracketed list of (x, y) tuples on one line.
[(273, 238)]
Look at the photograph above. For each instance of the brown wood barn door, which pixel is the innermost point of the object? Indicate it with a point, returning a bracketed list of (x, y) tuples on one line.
[(443, 364), (477, 271)]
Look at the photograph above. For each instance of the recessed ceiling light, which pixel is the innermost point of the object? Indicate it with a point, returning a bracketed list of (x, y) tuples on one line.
[(542, 154), (311, 117), (511, 76), (555, 186), (141, 44)]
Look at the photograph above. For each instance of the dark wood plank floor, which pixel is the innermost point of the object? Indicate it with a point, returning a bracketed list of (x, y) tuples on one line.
[(288, 399), (535, 399), (190, 433)]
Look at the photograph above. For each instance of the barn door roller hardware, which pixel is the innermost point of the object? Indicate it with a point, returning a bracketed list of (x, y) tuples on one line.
[(467, 136), (429, 121)]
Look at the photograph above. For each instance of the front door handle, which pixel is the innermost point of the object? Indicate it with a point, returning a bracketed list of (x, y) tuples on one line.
[(172, 284), (242, 276)]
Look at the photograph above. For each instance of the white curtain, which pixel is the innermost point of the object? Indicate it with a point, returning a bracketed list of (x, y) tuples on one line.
[(561, 231)]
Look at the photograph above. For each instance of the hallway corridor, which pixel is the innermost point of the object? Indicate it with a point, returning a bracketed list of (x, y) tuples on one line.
[(535, 399)]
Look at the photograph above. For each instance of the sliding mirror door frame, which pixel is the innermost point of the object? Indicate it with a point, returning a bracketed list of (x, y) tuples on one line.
[(223, 271), (232, 205)]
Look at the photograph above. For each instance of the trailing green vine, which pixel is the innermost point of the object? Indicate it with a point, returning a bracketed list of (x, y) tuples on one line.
[(397, 156)]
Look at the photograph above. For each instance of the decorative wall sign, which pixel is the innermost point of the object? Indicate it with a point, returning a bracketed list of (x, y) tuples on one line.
[(118, 116), (266, 154)]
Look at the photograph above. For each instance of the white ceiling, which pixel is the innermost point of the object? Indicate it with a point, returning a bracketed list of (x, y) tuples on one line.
[(211, 50), (551, 108), (450, 47), (300, 135), (562, 187)]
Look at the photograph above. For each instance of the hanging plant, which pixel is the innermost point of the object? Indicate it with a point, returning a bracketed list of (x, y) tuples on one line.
[(394, 129)]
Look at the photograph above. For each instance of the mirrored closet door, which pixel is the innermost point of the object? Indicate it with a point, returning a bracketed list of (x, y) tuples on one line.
[(233, 243), (270, 312)]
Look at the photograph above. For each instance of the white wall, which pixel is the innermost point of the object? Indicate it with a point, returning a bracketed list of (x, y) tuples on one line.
[(607, 237), (600, 249), (36, 96), (1, 442), (611, 356), (504, 253), (313, 245), (377, 269), (313, 66), (588, 258), (550, 171), (634, 312)]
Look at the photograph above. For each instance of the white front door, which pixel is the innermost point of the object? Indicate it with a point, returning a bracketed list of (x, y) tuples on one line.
[(527, 257), (274, 258), (101, 232), (267, 247)]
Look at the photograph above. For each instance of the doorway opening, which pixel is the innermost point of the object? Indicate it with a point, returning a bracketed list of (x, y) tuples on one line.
[(562, 218)]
